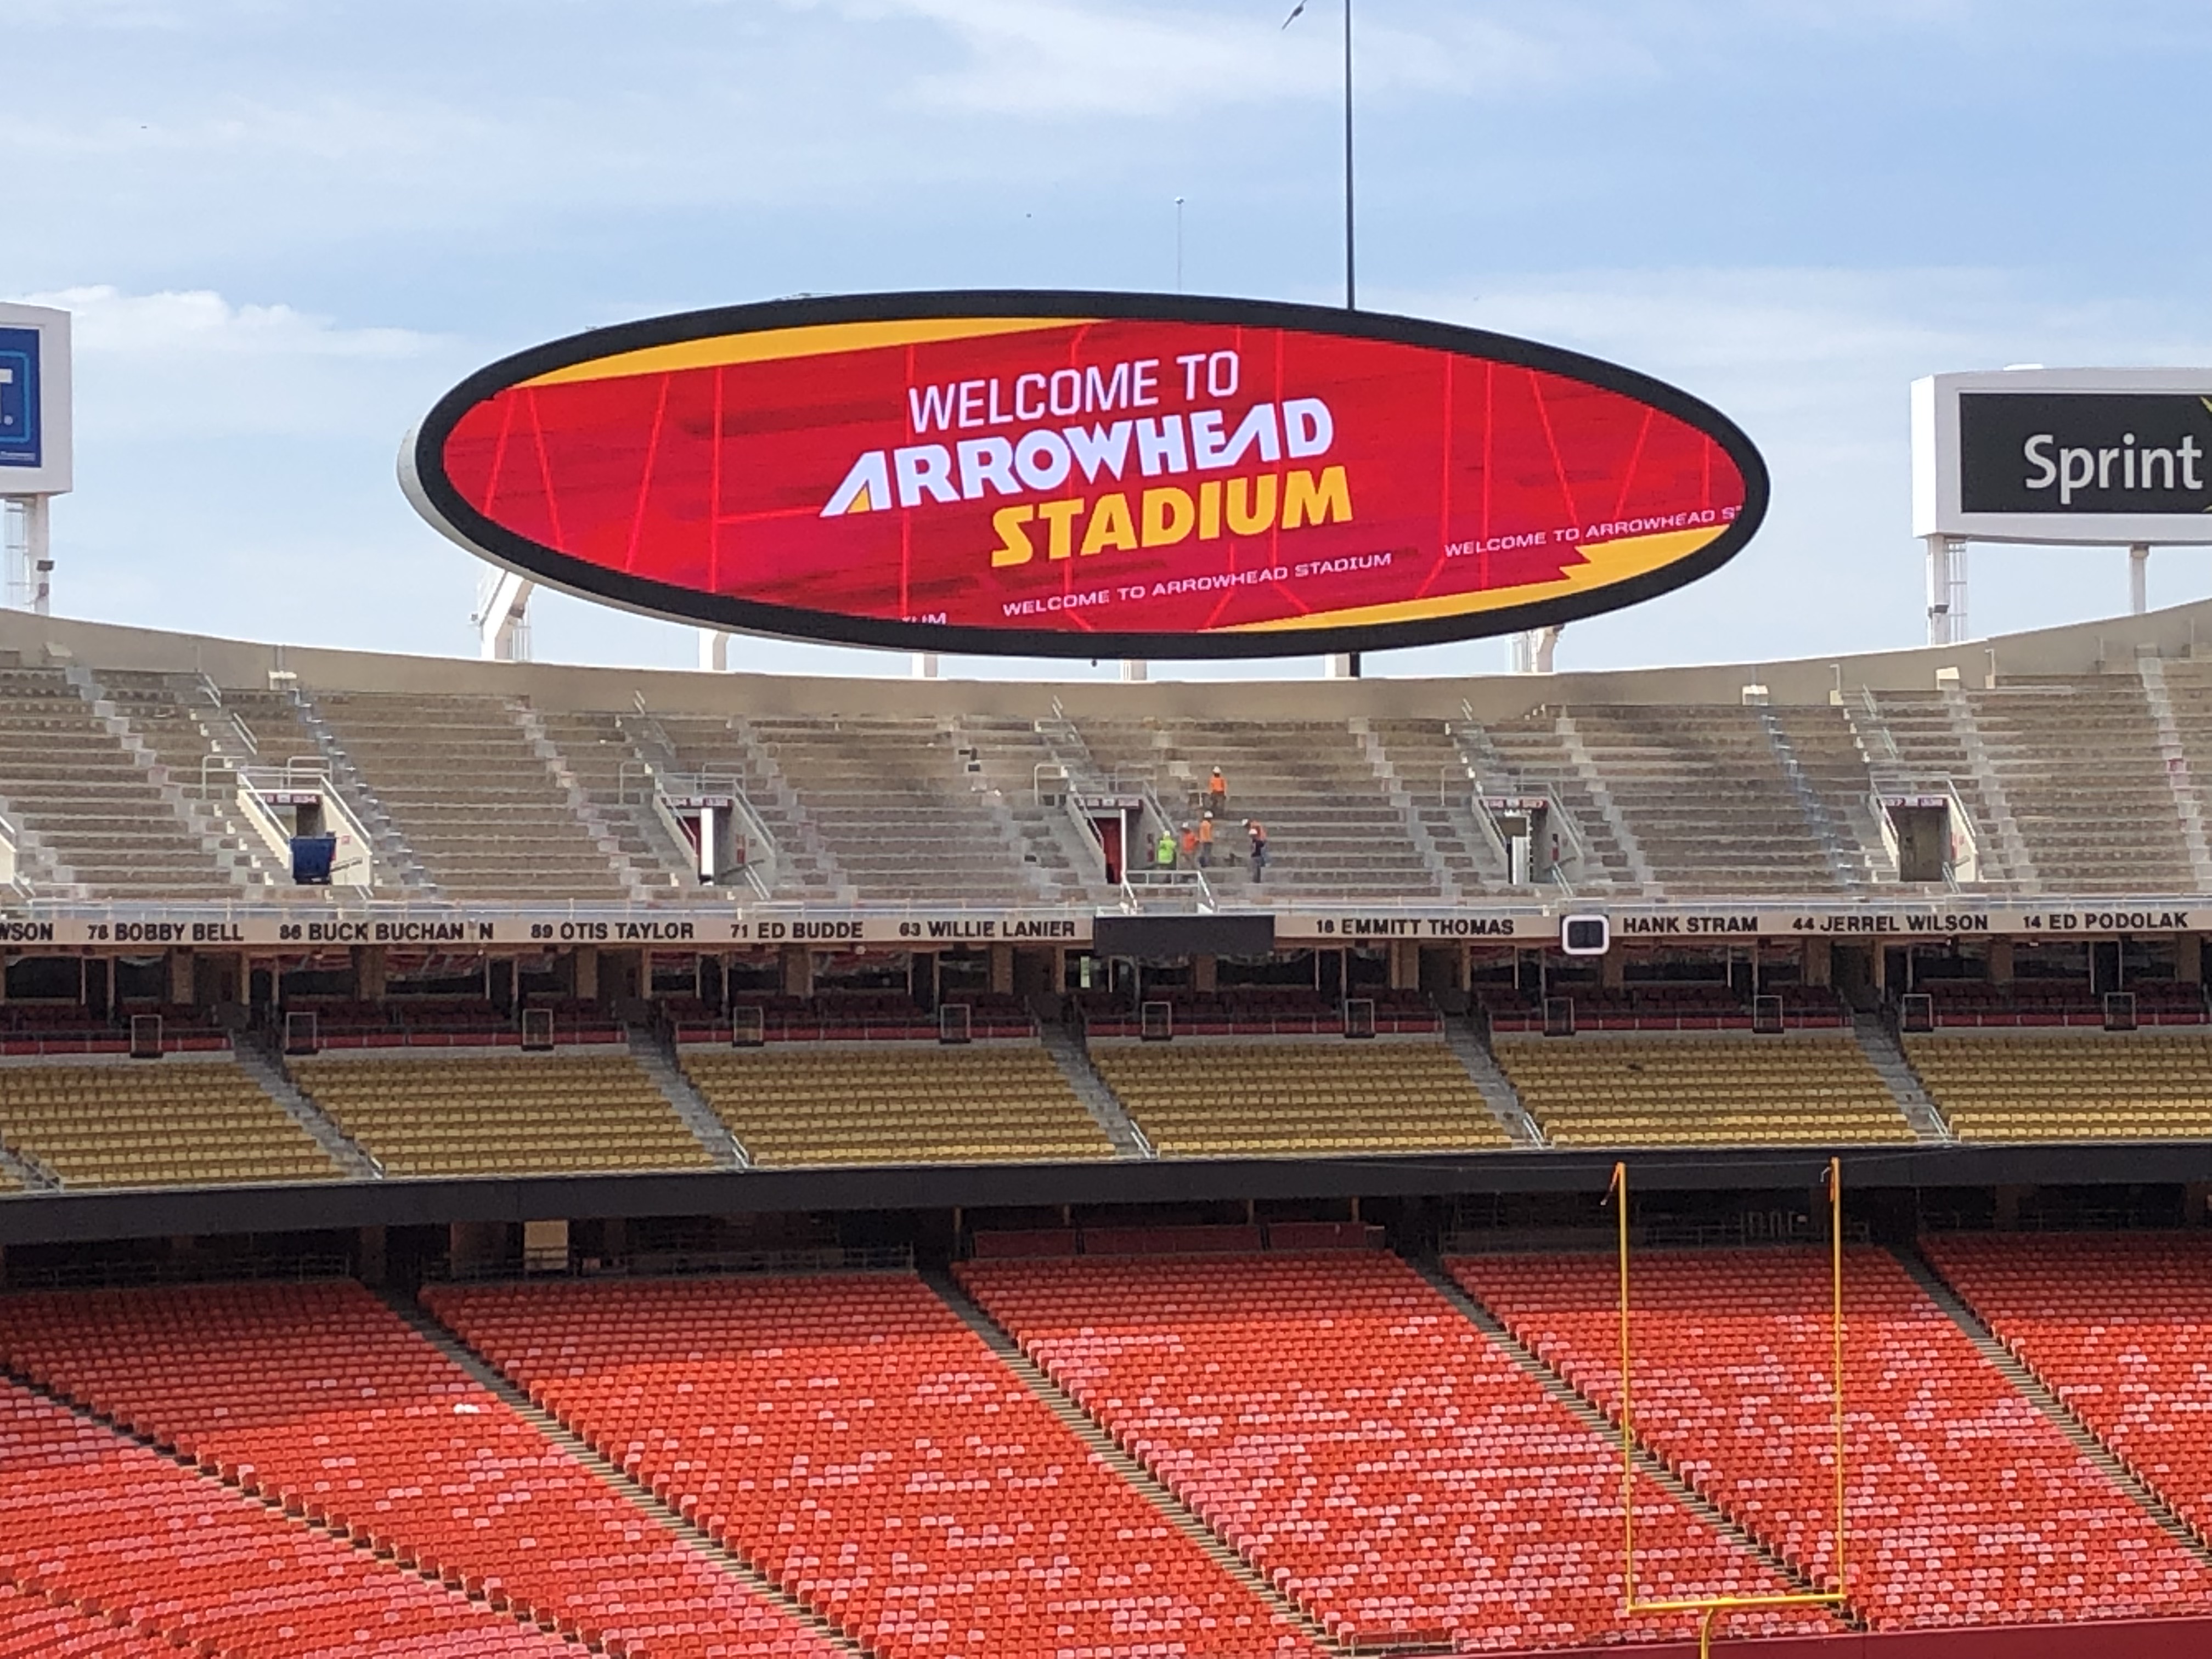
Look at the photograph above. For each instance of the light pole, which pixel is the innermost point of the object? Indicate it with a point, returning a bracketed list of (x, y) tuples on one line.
[(1351, 287), (1178, 244)]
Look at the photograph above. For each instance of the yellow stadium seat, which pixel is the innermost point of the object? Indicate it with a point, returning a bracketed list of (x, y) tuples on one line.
[(154, 1123), (503, 1114), (896, 1103), (1814, 1090), (1298, 1099)]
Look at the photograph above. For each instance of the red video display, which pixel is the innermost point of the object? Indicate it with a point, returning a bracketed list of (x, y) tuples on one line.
[(1230, 480)]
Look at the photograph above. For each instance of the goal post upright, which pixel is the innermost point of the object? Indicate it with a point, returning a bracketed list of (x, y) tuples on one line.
[(1709, 1608)]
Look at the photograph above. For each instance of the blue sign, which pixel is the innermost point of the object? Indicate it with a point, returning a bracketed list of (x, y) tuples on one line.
[(19, 398)]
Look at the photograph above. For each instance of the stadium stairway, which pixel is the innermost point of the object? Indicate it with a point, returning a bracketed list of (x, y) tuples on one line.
[(1096, 1095), (399, 871), (2115, 1325), (1496, 1088), (2039, 1394), (267, 1068), (1109, 1451), (1595, 1418), (489, 1378), (313, 1399), (1879, 1045), (655, 1054)]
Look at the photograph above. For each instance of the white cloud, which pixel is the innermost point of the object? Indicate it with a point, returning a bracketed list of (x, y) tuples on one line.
[(1815, 365), (196, 364), (1067, 58)]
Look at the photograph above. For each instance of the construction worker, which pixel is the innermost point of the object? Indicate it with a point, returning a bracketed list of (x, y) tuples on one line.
[(1206, 842), (1217, 793), (1190, 843), (1164, 855), (1257, 832)]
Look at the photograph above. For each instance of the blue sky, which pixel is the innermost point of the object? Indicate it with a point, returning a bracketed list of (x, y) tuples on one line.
[(287, 227)]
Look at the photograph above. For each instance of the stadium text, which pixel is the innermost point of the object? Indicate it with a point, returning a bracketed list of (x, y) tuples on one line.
[(1167, 515)]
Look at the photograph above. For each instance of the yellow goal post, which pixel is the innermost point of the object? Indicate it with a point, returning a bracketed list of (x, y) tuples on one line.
[(1709, 1608)]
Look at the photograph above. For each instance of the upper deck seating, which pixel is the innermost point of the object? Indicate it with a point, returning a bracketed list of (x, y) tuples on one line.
[(1810, 1089), (894, 805), (327, 1402), (1967, 1505), (1439, 784), (857, 1441), (1530, 754), (1929, 738), (1702, 791), (1333, 831), (2123, 1086), (502, 1115), (1364, 1446), (843, 1105), (114, 1526), (476, 804), (719, 748), (2118, 1325), (2080, 760), (617, 782), (100, 817), (153, 1123), (1291, 1099)]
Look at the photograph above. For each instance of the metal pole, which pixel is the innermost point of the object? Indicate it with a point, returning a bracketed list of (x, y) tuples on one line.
[(1940, 552), (38, 550), (1351, 300), (1619, 1194), (1836, 1264), (2138, 579), (1178, 244)]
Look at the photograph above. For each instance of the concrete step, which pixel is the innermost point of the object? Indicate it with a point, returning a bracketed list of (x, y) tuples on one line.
[(656, 1054), (1098, 1098), (265, 1069), (1491, 1082)]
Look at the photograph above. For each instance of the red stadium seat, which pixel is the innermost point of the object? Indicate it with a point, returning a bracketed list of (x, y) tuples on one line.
[(1357, 1439), (320, 1395), (1967, 1505), (853, 1437), (196, 1562), (2120, 1327)]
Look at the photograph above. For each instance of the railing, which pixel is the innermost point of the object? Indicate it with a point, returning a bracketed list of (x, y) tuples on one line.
[(103, 1275), (684, 1264), (1088, 831)]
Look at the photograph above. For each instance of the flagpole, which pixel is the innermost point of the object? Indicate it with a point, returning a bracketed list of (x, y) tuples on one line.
[(1350, 302), (1351, 288)]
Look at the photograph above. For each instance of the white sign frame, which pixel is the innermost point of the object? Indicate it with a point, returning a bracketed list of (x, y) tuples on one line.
[(56, 474), (1936, 462)]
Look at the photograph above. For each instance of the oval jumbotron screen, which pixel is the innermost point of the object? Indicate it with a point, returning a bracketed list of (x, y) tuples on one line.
[(1084, 474)]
